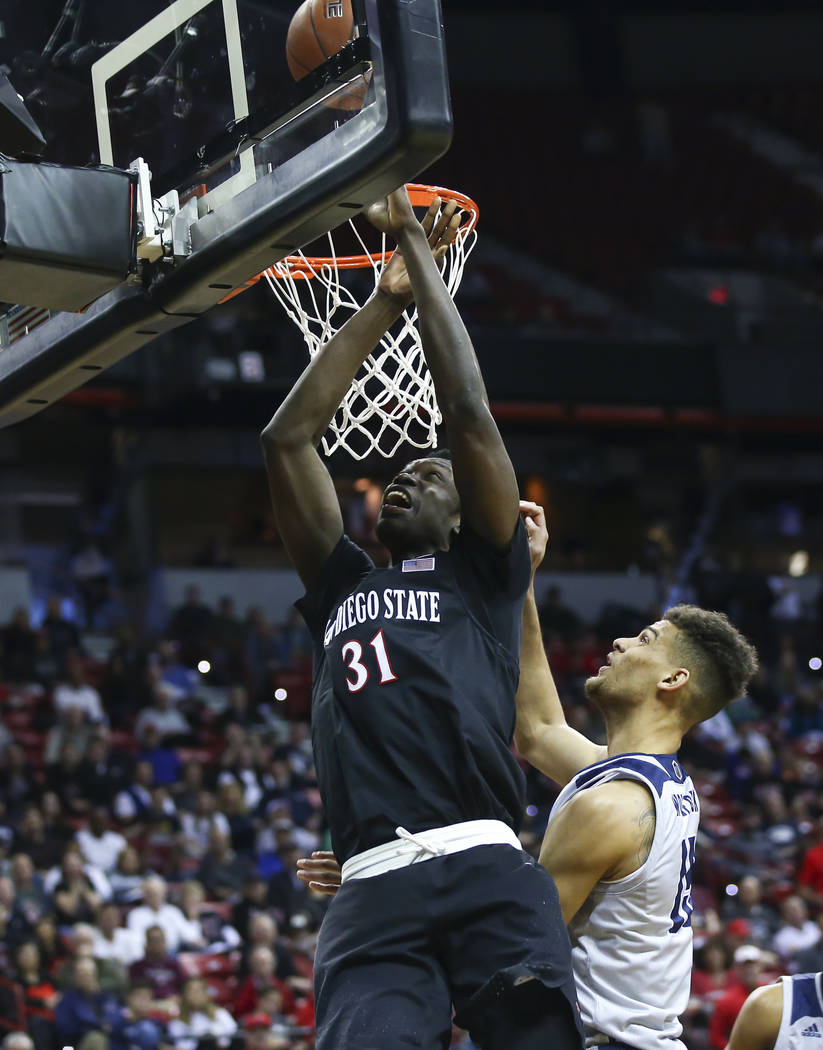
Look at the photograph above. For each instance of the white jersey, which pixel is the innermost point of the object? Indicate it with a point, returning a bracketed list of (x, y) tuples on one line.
[(632, 938), (801, 1026)]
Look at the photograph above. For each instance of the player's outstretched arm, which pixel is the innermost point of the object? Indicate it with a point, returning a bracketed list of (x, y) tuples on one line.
[(483, 473), (758, 1022), (605, 832), (541, 734), (305, 504)]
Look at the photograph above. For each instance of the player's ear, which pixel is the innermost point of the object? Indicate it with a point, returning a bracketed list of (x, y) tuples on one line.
[(674, 679)]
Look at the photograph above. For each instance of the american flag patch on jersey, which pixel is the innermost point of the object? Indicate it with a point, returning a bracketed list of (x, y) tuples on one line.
[(419, 564)]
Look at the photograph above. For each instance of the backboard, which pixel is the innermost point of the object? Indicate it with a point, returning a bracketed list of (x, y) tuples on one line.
[(239, 163)]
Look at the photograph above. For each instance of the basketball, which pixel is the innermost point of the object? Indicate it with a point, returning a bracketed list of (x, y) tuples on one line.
[(318, 30)]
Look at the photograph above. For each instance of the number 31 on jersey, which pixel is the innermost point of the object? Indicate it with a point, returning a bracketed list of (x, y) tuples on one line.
[(353, 658)]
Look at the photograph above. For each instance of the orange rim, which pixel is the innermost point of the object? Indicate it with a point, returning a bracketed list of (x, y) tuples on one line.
[(307, 266), (420, 196)]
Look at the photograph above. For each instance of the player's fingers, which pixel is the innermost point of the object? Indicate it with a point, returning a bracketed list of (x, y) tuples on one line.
[(446, 217), (328, 888), (318, 867), (431, 216)]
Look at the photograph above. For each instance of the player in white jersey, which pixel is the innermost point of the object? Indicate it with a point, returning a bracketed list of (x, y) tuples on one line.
[(787, 1015), (620, 839)]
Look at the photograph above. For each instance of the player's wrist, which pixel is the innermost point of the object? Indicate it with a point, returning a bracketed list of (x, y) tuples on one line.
[(400, 302)]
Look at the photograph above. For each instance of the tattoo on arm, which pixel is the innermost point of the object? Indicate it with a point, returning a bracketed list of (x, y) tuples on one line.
[(646, 824)]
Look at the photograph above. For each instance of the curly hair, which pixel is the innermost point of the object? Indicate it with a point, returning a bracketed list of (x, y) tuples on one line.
[(719, 658)]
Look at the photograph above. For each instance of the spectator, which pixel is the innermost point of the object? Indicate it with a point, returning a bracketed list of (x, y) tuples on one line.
[(136, 1028), (75, 691), (190, 624), (103, 773), (39, 995), (17, 1041), (263, 931), (288, 896), (112, 940), (133, 803), (260, 1036), (165, 762), (199, 1017), (222, 871), (748, 904), (170, 725), (19, 647), (99, 844), (253, 901), (261, 978), (156, 911), (85, 1011), (167, 673), (111, 972), (238, 793), (189, 787), (198, 826), (748, 961), (810, 875), (52, 948), (158, 968), (17, 781), (798, 932), (238, 711), (63, 780), (228, 642), (128, 877), (810, 960), (558, 619), (712, 977), (62, 635), (30, 899), (75, 897), (215, 935), (73, 729)]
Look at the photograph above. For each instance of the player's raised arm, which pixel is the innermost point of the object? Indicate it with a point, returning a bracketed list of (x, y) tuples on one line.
[(483, 473), (305, 504), (541, 734)]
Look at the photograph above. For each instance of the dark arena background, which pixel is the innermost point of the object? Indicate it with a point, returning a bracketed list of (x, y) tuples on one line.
[(646, 302)]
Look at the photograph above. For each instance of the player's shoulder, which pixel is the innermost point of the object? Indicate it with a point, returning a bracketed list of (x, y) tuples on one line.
[(610, 805), (613, 825), (761, 1014)]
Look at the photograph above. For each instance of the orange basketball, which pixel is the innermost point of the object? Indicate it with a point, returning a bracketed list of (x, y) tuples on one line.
[(318, 30)]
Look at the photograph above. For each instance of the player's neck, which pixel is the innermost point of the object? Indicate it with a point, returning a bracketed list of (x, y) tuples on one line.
[(638, 729), (415, 550)]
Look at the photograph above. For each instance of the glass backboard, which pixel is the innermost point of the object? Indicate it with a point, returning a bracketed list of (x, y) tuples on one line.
[(260, 162)]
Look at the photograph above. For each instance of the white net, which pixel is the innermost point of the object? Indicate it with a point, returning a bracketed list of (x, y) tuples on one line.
[(391, 400)]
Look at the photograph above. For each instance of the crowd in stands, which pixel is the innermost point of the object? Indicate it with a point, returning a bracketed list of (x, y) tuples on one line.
[(151, 818)]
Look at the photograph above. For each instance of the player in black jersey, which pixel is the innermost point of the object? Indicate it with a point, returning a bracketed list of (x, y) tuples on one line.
[(415, 672)]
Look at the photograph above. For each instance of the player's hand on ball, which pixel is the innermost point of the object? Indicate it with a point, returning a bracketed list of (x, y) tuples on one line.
[(393, 214), (320, 872), (441, 225), (534, 518)]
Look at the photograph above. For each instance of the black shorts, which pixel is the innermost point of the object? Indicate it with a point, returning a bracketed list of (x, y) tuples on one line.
[(470, 929)]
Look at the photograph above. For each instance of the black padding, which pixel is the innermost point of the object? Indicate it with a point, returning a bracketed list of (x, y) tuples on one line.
[(67, 235)]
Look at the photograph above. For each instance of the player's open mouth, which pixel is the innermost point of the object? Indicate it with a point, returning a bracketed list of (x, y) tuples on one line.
[(395, 500)]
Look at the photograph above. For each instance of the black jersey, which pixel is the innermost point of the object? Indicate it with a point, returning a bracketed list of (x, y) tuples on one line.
[(415, 672)]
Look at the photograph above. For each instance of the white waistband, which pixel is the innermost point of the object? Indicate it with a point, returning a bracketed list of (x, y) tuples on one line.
[(424, 845)]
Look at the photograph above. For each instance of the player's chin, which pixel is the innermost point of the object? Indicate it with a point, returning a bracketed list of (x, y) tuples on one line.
[(593, 686), (390, 527)]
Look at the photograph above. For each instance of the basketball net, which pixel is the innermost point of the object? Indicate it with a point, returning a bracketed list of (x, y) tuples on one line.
[(391, 399)]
